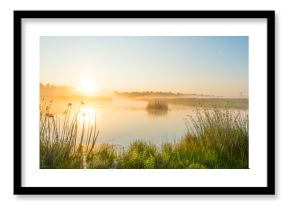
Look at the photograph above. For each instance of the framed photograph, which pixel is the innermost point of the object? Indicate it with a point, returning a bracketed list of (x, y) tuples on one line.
[(144, 102)]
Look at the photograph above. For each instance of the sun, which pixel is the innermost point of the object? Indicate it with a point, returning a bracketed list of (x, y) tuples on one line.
[(88, 85)]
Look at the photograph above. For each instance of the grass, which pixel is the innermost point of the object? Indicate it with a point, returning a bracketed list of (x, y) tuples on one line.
[(157, 108), (215, 139), (59, 148), (157, 105), (222, 103), (225, 103)]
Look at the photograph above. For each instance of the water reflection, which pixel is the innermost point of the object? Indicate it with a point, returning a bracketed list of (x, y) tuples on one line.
[(157, 113), (157, 108), (89, 115), (120, 122)]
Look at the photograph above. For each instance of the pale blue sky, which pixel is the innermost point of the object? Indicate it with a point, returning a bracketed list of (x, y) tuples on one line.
[(215, 65)]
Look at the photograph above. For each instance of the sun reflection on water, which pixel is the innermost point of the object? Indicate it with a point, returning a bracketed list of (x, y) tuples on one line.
[(89, 115)]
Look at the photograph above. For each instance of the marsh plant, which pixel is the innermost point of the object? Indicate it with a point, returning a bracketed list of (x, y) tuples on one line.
[(157, 105), (215, 139), (157, 108), (65, 142)]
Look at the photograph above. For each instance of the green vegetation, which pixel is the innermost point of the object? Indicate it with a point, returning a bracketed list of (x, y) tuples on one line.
[(222, 103), (215, 140), (225, 103), (157, 108), (157, 105), (59, 148)]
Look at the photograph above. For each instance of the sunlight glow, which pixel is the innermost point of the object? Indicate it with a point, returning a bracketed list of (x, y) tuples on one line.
[(87, 85), (89, 115)]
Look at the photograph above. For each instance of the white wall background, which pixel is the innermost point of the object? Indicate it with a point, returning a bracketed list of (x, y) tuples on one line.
[(282, 98)]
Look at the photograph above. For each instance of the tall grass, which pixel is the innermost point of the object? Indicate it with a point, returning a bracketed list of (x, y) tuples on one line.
[(157, 108), (59, 145), (157, 105), (218, 139), (214, 139)]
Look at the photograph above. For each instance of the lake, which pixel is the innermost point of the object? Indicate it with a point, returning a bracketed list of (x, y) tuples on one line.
[(122, 121)]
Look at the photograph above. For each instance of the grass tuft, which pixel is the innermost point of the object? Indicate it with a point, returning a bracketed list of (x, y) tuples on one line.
[(157, 105), (59, 148)]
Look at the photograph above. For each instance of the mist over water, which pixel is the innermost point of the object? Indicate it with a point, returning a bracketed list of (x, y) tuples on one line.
[(122, 121)]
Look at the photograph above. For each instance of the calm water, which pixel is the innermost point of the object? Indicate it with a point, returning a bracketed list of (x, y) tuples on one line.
[(122, 121)]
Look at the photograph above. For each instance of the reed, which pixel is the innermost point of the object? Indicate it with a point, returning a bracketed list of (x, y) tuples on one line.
[(59, 145), (157, 105)]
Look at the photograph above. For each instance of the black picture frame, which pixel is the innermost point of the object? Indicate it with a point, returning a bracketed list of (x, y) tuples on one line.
[(19, 189)]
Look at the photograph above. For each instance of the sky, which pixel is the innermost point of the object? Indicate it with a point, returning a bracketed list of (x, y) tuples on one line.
[(211, 65)]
